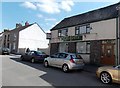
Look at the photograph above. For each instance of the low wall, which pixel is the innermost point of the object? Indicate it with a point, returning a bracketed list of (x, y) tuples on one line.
[(86, 58)]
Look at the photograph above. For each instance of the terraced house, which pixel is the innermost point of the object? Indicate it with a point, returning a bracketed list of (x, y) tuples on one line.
[(20, 38), (95, 35)]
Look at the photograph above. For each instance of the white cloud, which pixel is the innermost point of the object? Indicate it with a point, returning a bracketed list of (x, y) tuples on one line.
[(39, 15), (29, 5), (52, 6), (66, 5), (50, 19), (48, 6)]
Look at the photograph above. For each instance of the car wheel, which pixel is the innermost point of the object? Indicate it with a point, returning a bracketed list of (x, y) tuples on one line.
[(65, 68), (32, 60), (46, 64), (105, 77)]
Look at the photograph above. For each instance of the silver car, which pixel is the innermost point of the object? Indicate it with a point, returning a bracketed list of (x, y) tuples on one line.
[(66, 61)]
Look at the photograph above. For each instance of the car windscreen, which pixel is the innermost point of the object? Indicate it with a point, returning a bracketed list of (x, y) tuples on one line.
[(39, 52)]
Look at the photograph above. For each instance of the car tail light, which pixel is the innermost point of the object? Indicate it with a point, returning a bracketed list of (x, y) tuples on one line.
[(71, 60)]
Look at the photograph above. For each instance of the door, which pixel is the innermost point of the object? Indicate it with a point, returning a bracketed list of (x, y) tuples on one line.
[(60, 60), (52, 59), (108, 54)]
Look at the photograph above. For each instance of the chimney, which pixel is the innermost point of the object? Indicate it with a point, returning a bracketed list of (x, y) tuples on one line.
[(26, 23), (18, 25)]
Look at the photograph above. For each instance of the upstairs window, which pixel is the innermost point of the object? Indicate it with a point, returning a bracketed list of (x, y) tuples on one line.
[(8, 37), (82, 29), (76, 30), (63, 32), (88, 28), (59, 33)]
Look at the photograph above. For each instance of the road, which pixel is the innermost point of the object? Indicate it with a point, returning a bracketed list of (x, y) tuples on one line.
[(22, 73)]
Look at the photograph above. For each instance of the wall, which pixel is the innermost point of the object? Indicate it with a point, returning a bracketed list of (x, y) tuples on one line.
[(71, 31), (95, 52), (32, 37), (102, 30)]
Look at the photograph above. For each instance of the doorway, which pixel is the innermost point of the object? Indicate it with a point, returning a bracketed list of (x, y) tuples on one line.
[(108, 54)]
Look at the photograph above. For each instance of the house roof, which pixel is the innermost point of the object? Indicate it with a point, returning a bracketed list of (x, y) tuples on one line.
[(26, 26), (105, 13), (21, 28)]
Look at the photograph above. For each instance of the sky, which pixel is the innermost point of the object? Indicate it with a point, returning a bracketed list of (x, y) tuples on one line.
[(47, 13)]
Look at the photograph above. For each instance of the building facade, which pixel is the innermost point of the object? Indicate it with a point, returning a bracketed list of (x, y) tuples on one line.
[(29, 36), (91, 34)]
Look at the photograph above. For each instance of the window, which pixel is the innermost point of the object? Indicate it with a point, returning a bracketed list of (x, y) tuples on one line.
[(62, 55), (63, 32), (88, 29), (82, 29), (14, 46), (32, 53), (66, 32), (83, 47), (59, 33), (15, 37), (54, 56), (8, 37), (88, 47), (76, 30), (5, 37)]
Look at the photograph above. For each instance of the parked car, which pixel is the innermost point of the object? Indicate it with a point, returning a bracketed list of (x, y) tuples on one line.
[(34, 56), (109, 74), (66, 61), (5, 51)]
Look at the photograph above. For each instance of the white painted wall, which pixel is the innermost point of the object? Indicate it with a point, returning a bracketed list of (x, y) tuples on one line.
[(32, 37), (1, 42), (102, 30)]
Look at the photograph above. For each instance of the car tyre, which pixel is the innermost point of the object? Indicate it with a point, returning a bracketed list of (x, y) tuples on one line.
[(32, 60), (65, 68), (105, 77), (46, 64)]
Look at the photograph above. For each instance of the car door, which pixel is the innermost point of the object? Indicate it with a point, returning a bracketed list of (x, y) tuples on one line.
[(29, 55), (60, 60), (26, 56), (52, 59), (116, 74), (119, 73)]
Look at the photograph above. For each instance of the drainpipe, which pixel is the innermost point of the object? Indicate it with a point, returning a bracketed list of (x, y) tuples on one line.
[(118, 37)]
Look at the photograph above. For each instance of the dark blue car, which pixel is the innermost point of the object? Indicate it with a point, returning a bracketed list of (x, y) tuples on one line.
[(34, 56)]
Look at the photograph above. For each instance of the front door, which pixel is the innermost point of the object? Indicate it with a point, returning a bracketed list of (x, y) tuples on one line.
[(108, 54)]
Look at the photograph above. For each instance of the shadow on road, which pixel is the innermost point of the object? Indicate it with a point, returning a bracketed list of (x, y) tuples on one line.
[(56, 77)]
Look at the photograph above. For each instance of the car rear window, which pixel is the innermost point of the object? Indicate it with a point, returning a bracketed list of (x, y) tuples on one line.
[(76, 56)]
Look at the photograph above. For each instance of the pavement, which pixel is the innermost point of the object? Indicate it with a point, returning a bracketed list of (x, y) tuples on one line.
[(90, 68)]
